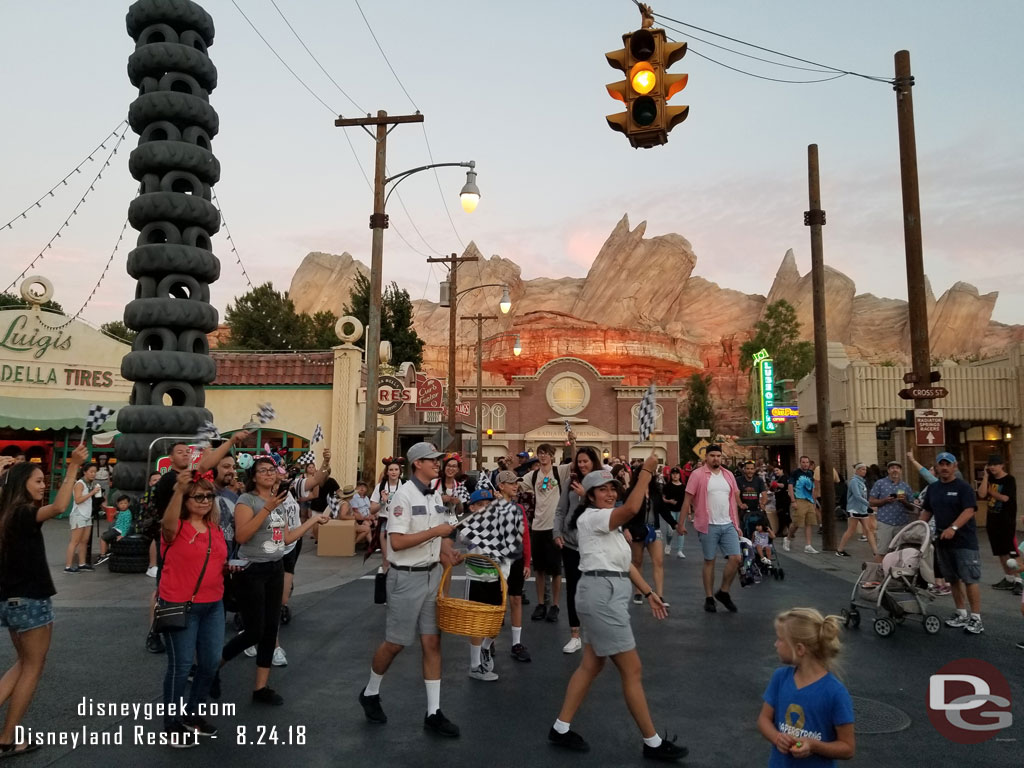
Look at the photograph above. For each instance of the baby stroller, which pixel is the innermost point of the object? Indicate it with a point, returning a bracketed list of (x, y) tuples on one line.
[(896, 588), (750, 569)]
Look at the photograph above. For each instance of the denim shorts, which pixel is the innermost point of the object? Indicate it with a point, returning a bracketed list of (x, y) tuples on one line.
[(959, 564), (719, 538), (23, 614)]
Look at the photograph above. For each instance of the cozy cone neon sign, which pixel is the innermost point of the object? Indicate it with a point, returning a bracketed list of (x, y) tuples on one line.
[(766, 376)]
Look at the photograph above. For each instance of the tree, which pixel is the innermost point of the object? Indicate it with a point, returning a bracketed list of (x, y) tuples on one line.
[(395, 320), (119, 330), (11, 301), (700, 413), (779, 333), (265, 319)]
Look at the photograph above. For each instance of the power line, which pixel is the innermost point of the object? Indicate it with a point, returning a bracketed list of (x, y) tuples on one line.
[(74, 212), (386, 60), (314, 58), (64, 181), (887, 80), (761, 77)]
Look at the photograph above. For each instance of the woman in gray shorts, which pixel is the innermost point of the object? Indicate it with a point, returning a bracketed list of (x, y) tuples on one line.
[(602, 600)]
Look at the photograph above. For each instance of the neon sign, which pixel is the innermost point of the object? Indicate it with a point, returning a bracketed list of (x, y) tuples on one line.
[(766, 376)]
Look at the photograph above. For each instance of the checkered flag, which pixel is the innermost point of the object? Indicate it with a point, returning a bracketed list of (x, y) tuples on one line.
[(265, 413), (98, 415), (497, 531), (207, 433), (334, 504), (309, 457), (318, 435), (645, 418)]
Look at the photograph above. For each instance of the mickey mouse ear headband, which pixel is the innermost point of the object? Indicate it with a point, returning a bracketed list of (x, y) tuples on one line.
[(400, 461)]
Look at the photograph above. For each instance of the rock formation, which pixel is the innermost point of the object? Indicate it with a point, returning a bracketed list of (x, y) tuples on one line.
[(641, 314)]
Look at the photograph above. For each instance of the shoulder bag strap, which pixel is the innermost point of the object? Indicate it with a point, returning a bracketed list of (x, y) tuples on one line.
[(209, 546)]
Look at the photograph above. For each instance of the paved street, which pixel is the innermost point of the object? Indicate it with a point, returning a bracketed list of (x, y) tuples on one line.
[(704, 675)]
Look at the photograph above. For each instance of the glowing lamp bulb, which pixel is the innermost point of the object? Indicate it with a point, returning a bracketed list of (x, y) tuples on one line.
[(644, 81)]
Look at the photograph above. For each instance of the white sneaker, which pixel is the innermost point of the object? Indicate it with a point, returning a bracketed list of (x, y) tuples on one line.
[(487, 659), (766, 561), (680, 555), (151, 571), (785, 544), (574, 644), (479, 673), (668, 550), (280, 660), (250, 651), (810, 550)]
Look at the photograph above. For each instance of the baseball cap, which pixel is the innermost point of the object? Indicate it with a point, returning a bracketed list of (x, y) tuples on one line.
[(945, 456), (422, 451), (994, 459), (596, 479), (507, 476), (711, 448), (894, 463), (523, 454), (481, 494)]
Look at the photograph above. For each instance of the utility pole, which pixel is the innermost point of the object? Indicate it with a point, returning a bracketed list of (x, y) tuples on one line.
[(815, 219), (453, 262), (378, 223), (479, 320), (917, 305)]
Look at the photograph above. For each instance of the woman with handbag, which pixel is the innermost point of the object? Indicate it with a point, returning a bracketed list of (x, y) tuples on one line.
[(262, 530), (190, 608), (26, 587)]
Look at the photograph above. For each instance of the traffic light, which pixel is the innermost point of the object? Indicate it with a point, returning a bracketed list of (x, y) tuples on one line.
[(645, 58)]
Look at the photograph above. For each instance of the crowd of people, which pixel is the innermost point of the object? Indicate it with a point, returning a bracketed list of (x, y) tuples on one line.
[(227, 539)]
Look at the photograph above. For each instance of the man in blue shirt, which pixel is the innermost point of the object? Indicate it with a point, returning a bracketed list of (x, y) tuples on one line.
[(952, 502), (802, 511), (891, 496)]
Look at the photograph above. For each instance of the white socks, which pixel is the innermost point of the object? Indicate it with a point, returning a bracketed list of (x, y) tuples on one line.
[(976, 616), (654, 742), (474, 656), (517, 635), (433, 695), (488, 642), (373, 687), (560, 727), (961, 611)]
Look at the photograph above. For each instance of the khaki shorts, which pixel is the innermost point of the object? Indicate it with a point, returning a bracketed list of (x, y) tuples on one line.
[(885, 534), (412, 604), (802, 514)]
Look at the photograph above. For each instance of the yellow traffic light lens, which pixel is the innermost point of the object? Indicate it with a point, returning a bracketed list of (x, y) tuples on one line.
[(642, 78)]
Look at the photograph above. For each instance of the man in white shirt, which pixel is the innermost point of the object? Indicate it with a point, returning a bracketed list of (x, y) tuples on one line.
[(417, 544), (545, 483)]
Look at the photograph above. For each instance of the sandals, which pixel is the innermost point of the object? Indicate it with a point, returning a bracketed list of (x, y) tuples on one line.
[(11, 750)]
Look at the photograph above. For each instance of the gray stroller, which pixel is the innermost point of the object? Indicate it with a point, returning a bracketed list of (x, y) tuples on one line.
[(897, 588)]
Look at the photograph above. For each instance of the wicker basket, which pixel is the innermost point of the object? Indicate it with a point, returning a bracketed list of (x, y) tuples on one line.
[(457, 616)]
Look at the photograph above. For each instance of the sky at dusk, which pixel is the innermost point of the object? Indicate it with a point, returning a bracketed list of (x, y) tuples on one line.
[(519, 88)]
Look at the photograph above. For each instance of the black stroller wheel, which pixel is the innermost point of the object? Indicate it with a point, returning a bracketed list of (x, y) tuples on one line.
[(846, 617), (884, 627), (932, 624), (782, 574), (854, 618)]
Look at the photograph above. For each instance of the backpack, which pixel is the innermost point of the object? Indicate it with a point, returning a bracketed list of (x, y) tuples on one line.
[(527, 499), (150, 515)]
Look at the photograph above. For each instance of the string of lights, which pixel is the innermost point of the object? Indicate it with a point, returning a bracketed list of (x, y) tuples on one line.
[(74, 212), (64, 181)]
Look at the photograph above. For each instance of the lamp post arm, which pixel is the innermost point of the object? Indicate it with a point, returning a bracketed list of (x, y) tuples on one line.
[(485, 285), (398, 178)]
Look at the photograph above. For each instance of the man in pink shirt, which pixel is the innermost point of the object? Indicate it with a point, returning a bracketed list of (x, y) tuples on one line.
[(712, 502)]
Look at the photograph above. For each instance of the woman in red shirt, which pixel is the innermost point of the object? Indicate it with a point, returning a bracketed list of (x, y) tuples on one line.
[(194, 558)]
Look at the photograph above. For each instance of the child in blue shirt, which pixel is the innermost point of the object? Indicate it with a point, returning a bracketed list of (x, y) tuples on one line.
[(120, 528), (807, 713)]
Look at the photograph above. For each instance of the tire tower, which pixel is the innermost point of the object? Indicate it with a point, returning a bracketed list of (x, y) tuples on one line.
[(173, 262)]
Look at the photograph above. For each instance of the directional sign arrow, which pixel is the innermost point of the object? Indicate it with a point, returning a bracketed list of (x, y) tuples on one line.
[(931, 438)]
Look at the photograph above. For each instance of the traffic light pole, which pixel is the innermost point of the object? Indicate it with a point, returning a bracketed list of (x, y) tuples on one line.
[(378, 223), (917, 304), (815, 219)]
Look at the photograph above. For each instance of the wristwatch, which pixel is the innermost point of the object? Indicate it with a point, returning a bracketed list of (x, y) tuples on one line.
[(649, 594), (955, 528)]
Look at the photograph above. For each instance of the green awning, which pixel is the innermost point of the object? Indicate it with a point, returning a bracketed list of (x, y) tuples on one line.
[(38, 413)]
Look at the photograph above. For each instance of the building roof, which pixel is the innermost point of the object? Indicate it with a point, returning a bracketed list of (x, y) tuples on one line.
[(273, 368)]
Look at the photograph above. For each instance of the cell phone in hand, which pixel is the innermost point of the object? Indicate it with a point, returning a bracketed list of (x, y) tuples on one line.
[(238, 563)]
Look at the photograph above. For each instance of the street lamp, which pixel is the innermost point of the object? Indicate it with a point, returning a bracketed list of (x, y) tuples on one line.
[(470, 194), (506, 302)]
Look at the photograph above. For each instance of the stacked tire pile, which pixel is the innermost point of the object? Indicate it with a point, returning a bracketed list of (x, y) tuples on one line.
[(129, 555), (173, 262)]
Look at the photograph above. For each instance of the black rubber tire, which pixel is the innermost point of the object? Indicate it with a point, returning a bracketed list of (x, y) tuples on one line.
[(147, 36), (196, 187), (165, 258), (171, 313), (173, 134), (182, 394), (142, 393), (128, 564), (162, 419), (159, 233), (130, 546), (173, 81), (157, 59), (162, 157), (166, 366), (196, 342), (181, 209), (155, 340), (135, 447), (131, 476), (175, 284), (182, 109), (180, 14)]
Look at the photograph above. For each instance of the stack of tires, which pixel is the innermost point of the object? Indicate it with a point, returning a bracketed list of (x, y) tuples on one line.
[(173, 262), (129, 555)]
